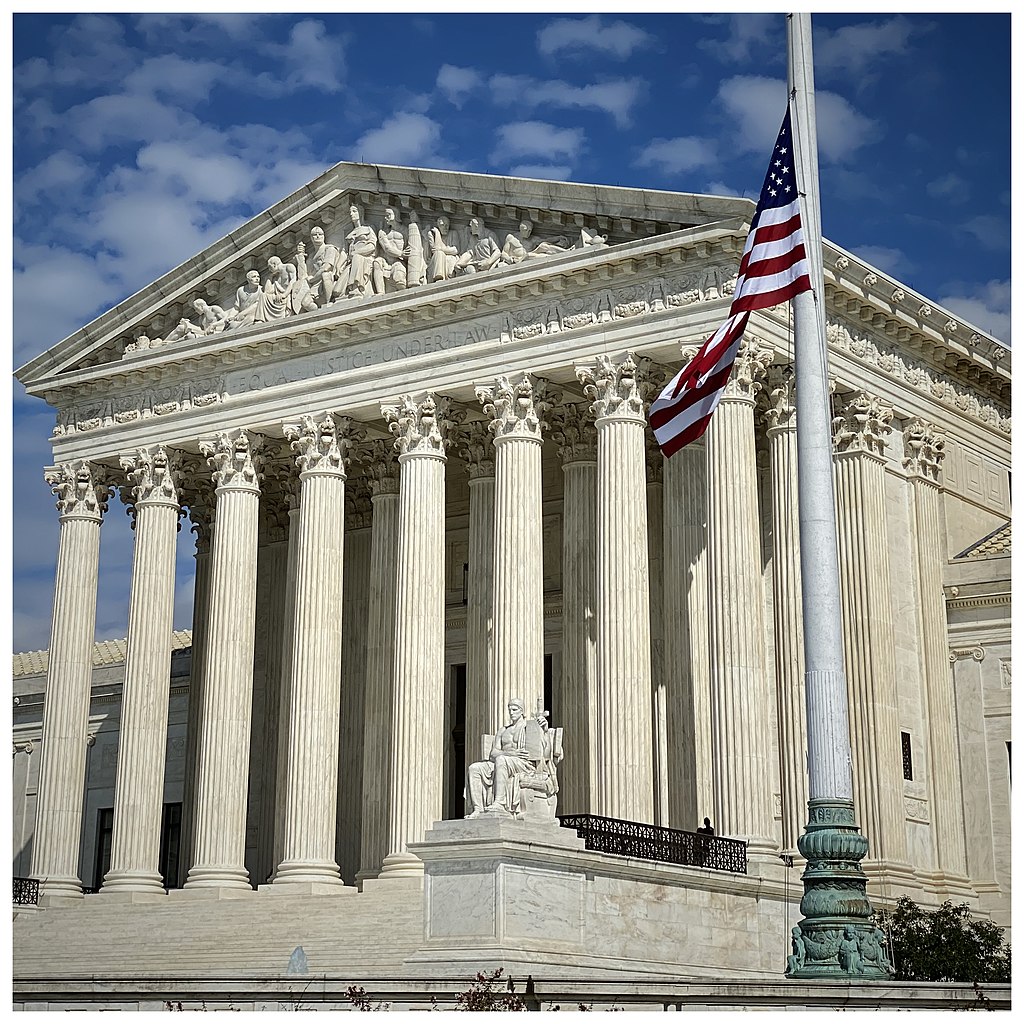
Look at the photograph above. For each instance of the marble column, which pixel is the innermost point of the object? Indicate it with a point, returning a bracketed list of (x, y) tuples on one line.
[(740, 708), (924, 450), (201, 501), (625, 784), (516, 410), (477, 449), (860, 429), (659, 684), (152, 497), (574, 433), (321, 449), (82, 493), (791, 712), (291, 488), (382, 476), (417, 752), (221, 785), (354, 710)]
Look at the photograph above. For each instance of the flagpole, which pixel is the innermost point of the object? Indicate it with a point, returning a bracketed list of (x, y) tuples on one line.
[(836, 937)]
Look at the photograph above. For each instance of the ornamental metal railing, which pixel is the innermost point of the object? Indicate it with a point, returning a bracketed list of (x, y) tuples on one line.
[(26, 891), (652, 842)]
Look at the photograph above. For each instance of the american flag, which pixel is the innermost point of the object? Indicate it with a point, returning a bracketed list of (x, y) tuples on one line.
[(772, 270)]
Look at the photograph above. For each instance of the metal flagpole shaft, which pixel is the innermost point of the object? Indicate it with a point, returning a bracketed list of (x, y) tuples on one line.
[(836, 937)]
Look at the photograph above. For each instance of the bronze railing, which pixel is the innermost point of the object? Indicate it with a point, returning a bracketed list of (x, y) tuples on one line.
[(652, 842), (26, 891)]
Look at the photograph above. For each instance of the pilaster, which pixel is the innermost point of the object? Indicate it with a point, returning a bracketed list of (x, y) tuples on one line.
[(152, 498), (625, 783), (82, 492)]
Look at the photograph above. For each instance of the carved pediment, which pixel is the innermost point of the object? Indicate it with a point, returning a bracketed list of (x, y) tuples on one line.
[(362, 231)]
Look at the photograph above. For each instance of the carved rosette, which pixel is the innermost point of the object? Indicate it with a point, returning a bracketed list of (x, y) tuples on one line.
[(780, 411), (477, 449), (380, 467), (81, 490), (862, 424), (421, 428), (748, 371), (517, 409), (924, 449), (235, 459), (322, 444), (573, 430), (618, 390)]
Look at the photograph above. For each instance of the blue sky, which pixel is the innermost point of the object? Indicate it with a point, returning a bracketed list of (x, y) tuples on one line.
[(138, 140)]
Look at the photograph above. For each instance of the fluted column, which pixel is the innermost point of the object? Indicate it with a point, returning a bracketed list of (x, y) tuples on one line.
[(415, 784), (619, 391), (354, 709), (659, 693), (574, 432), (860, 430), (311, 791), (739, 685), (82, 496), (152, 497), (924, 450), (791, 712), (477, 449), (382, 476), (201, 500), (516, 411), (222, 782), (687, 652)]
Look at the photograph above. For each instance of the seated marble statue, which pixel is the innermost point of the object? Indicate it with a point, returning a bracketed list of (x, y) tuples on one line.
[(319, 271), (212, 319), (442, 250), (279, 297), (483, 251), (243, 313), (519, 771), (357, 260)]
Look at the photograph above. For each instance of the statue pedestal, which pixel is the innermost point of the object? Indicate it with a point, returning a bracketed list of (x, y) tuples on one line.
[(497, 888)]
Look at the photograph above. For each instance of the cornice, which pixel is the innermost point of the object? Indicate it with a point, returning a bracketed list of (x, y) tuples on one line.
[(918, 325)]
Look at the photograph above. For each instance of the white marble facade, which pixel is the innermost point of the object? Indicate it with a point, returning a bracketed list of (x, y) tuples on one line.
[(403, 410)]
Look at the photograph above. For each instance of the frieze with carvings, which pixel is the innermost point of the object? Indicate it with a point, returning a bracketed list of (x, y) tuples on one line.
[(840, 335)]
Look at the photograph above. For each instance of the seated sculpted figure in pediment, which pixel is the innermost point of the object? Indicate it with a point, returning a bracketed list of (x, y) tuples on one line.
[(518, 779), (524, 246)]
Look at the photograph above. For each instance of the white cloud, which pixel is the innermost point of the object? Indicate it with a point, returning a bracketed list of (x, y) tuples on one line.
[(616, 98), (404, 138), (756, 105), (536, 138), (313, 58), (854, 51), (58, 174), (991, 232), (171, 75), (986, 306), (584, 36), (950, 187), (457, 84), (748, 34), (888, 260), (675, 156)]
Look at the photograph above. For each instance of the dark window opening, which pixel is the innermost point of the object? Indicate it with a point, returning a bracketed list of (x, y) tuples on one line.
[(908, 761), (457, 761), (170, 845), (104, 838)]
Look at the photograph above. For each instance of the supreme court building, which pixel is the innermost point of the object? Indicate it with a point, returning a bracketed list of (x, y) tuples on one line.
[(403, 413)]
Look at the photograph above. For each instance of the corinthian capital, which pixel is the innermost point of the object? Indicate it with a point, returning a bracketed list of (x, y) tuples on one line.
[(153, 476), (235, 459), (780, 411), (748, 371), (381, 467), (322, 444), (477, 449), (862, 424), (573, 430), (80, 488), (924, 448), (421, 428), (621, 390), (517, 410)]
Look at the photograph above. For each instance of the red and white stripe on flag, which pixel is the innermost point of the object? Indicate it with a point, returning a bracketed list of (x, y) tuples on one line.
[(773, 269)]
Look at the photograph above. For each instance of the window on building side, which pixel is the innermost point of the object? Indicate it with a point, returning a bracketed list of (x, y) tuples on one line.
[(908, 762)]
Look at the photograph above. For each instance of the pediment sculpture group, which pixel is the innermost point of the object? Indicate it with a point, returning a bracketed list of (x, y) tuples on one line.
[(369, 262)]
